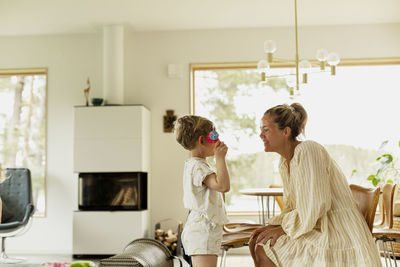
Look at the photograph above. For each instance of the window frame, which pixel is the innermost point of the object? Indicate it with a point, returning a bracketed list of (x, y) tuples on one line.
[(36, 71), (253, 65)]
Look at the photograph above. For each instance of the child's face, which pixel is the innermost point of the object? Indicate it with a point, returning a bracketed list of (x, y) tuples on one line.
[(208, 148)]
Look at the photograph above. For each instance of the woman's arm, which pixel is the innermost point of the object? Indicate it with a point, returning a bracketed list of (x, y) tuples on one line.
[(312, 189)]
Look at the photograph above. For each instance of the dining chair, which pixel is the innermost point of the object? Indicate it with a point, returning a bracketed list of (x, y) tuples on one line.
[(237, 234), (233, 240), (380, 223), (239, 226), (385, 232), (367, 200), (16, 195)]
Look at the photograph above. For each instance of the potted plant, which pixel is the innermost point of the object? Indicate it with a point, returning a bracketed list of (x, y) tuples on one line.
[(388, 168)]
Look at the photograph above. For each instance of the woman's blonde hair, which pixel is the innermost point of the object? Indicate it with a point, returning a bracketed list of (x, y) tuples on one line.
[(293, 116), (189, 128)]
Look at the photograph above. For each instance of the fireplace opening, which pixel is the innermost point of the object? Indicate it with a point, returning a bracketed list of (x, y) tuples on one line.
[(113, 191)]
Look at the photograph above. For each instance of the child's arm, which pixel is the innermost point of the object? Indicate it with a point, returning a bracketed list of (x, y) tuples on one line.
[(219, 181)]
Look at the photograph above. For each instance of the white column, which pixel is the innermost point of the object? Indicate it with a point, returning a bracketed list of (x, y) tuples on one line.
[(113, 64)]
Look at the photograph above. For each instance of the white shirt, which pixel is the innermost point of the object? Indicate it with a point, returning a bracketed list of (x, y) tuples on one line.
[(197, 196)]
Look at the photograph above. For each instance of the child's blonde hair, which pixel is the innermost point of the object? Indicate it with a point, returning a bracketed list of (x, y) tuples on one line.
[(189, 128)]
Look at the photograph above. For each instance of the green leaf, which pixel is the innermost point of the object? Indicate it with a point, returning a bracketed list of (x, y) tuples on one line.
[(353, 172), (375, 181), (389, 181), (382, 168), (371, 177), (384, 143), (385, 158), (399, 143)]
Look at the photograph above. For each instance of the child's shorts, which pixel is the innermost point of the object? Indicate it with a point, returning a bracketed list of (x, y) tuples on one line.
[(200, 238)]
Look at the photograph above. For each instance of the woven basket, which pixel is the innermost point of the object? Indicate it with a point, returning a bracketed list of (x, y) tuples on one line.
[(396, 246), (143, 252), (176, 226)]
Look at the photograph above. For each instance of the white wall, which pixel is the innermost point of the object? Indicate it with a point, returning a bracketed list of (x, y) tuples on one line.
[(72, 58)]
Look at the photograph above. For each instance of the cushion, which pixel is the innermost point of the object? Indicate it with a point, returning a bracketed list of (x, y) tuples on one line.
[(5, 212)]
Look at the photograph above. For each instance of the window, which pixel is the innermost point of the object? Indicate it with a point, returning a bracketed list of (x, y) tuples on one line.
[(351, 114), (23, 126)]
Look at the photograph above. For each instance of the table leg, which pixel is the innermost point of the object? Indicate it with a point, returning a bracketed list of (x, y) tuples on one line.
[(259, 213), (262, 210)]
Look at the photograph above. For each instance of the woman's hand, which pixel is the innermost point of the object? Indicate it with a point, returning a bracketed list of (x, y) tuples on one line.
[(255, 233), (271, 233)]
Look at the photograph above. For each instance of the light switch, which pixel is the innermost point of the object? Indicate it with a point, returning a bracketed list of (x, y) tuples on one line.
[(175, 71)]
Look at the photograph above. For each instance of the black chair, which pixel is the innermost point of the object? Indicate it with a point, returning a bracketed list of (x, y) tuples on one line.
[(17, 209)]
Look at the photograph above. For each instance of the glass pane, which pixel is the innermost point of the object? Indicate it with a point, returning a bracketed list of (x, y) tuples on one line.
[(113, 191), (23, 129)]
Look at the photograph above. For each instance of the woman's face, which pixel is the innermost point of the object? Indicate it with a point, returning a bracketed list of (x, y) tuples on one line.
[(272, 137)]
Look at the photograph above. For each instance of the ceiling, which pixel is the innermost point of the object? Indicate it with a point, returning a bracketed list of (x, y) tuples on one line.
[(32, 17)]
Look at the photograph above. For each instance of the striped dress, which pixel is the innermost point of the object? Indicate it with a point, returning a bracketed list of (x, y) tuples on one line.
[(322, 223)]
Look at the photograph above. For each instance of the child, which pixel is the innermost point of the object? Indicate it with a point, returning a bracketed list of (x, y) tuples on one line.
[(202, 189)]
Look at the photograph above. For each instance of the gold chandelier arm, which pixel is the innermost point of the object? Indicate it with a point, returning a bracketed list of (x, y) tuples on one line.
[(319, 71), (297, 47), (301, 68), (281, 75), (283, 60), (292, 62)]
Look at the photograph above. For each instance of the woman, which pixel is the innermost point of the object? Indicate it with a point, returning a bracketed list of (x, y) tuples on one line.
[(320, 224)]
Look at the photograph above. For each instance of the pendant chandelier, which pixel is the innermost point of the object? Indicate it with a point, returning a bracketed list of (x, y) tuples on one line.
[(303, 67)]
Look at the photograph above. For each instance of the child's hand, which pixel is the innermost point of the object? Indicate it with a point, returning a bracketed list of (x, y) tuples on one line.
[(220, 149)]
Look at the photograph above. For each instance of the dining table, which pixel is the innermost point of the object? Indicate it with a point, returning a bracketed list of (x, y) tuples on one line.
[(263, 194)]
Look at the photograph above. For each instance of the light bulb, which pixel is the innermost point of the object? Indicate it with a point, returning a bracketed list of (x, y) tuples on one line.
[(269, 48), (291, 92), (263, 68), (291, 82), (305, 68), (322, 55), (333, 60)]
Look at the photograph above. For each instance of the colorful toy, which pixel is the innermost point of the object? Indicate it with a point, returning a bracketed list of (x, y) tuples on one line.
[(82, 264), (212, 137)]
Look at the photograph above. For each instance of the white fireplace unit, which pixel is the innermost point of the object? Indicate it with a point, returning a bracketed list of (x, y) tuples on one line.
[(110, 140)]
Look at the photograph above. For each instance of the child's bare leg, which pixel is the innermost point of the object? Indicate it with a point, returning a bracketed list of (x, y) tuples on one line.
[(204, 260), (262, 259)]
